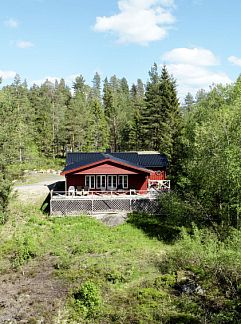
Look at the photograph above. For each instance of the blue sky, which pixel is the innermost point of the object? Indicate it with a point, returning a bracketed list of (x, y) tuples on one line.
[(198, 40)]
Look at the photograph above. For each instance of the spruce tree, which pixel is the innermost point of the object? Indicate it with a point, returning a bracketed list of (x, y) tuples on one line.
[(96, 89), (150, 115), (160, 116), (137, 102)]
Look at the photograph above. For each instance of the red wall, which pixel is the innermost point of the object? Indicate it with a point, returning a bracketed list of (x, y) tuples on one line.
[(138, 182), (108, 168), (75, 180), (158, 176)]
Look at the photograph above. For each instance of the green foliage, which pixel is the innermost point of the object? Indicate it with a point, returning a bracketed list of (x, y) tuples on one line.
[(211, 166), (85, 301), (215, 267), (177, 211), (126, 274), (122, 275), (5, 193), (160, 116), (24, 250), (160, 226)]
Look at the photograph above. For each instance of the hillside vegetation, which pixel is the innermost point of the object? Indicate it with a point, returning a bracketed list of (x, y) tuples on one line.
[(81, 271)]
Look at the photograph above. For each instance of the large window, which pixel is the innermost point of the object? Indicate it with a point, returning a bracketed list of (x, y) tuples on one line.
[(111, 182), (123, 181), (90, 181), (100, 182)]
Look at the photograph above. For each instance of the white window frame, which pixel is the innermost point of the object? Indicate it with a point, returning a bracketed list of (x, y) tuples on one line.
[(112, 182), (102, 176), (122, 181), (89, 185)]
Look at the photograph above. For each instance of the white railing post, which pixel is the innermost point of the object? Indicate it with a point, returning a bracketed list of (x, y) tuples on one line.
[(50, 203)]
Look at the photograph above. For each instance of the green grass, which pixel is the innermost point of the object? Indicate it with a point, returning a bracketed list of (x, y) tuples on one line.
[(118, 261), (124, 275)]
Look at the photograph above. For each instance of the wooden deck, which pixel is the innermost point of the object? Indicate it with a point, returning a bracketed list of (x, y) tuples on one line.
[(77, 202), (67, 203)]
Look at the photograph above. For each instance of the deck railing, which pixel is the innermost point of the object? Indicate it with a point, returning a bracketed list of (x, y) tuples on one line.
[(74, 202), (125, 194)]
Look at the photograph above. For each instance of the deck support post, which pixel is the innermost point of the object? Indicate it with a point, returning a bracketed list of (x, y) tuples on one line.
[(50, 203), (92, 205), (130, 204)]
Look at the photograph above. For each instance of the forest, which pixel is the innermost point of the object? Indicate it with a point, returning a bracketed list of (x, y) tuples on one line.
[(199, 225)]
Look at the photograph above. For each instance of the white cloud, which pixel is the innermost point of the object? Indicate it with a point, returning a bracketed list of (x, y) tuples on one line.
[(235, 60), (7, 74), (139, 21), (11, 23), (194, 69), (195, 56), (24, 44)]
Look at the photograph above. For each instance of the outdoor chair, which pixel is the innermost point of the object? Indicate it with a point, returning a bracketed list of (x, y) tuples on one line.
[(86, 191), (71, 191)]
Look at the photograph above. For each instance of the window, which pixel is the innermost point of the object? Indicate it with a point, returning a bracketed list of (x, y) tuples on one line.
[(100, 181), (111, 182), (90, 181), (123, 181)]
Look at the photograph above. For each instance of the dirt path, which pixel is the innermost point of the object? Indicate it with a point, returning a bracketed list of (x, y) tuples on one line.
[(32, 295)]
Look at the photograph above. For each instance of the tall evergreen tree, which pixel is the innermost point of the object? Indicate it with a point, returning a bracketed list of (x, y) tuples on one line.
[(188, 101), (160, 115), (110, 113), (150, 115), (97, 86), (137, 101), (22, 110)]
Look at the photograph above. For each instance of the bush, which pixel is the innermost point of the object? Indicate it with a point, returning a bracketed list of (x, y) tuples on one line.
[(5, 192), (85, 301), (213, 266), (25, 250), (175, 210)]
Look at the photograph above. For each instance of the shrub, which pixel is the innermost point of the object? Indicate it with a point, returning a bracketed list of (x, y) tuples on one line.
[(176, 210), (85, 301), (25, 249), (215, 267)]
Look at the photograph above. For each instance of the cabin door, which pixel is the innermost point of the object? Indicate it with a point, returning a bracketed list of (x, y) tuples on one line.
[(101, 182), (111, 182)]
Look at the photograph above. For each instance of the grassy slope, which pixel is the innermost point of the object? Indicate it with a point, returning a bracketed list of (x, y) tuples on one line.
[(119, 261), (120, 275)]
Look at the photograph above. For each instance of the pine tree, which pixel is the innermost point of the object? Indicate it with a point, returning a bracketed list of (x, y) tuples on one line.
[(188, 101), (96, 89), (110, 113), (137, 101), (150, 114), (22, 112), (160, 117), (99, 126), (60, 101)]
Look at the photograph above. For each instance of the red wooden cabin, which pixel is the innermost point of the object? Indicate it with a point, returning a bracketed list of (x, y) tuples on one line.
[(114, 171)]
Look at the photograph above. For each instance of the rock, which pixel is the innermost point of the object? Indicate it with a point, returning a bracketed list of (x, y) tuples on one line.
[(186, 283)]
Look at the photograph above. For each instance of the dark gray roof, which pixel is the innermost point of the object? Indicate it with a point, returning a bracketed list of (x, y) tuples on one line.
[(78, 159)]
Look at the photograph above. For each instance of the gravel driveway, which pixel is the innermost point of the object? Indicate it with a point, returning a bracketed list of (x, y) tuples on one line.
[(39, 190)]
